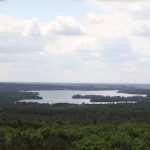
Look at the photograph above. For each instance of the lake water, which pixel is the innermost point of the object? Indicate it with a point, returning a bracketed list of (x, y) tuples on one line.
[(65, 96)]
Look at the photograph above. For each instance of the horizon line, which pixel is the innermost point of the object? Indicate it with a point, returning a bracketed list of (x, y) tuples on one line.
[(46, 82)]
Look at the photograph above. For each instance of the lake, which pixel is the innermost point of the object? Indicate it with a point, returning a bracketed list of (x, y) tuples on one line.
[(65, 96)]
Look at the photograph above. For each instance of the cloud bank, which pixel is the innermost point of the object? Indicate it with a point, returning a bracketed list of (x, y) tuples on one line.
[(101, 48)]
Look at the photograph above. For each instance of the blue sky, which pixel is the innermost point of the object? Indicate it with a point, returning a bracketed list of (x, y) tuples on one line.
[(74, 41), (44, 10)]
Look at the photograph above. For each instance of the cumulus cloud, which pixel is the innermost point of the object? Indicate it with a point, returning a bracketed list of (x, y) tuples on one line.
[(118, 50), (102, 36), (32, 35), (64, 25), (114, 39), (61, 25), (71, 46), (94, 18), (10, 24), (143, 30), (16, 43), (32, 28), (141, 45), (137, 9)]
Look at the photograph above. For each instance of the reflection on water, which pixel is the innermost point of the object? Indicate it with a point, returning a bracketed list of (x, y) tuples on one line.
[(65, 96)]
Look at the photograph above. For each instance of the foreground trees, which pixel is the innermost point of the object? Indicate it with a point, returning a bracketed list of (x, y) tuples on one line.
[(86, 127), (127, 136)]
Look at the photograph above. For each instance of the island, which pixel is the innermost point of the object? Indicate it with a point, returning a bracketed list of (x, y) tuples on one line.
[(100, 98)]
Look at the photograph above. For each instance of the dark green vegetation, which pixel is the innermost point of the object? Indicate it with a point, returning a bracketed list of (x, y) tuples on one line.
[(122, 88), (9, 97), (33, 126), (72, 127), (99, 98)]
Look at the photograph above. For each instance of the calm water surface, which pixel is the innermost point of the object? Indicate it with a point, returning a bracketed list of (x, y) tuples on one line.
[(65, 96)]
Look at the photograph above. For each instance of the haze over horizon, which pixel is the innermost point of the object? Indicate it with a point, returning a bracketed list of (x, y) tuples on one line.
[(78, 41)]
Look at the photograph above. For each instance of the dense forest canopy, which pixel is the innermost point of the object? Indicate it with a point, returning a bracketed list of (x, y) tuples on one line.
[(88, 127), (64, 126)]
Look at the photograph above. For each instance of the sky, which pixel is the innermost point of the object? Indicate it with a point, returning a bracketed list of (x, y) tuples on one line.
[(94, 41)]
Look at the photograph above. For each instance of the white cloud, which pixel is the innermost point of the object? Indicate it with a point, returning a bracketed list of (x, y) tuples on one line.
[(16, 43), (138, 9), (71, 46), (107, 44), (103, 36), (5, 71), (141, 45), (9, 24), (61, 25), (143, 30), (64, 25), (117, 50), (110, 25), (32, 28), (94, 18)]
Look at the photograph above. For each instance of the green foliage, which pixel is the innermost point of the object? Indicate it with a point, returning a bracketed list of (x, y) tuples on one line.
[(9, 97), (99, 98), (75, 127), (127, 136)]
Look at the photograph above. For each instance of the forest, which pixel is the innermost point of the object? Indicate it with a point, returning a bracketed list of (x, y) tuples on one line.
[(64, 126), (99, 98), (11, 96), (74, 74), (72, 127)]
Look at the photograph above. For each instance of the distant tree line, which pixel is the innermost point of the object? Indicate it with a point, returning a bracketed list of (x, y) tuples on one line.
[(8, 97), (122, 88), (99, 98)]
